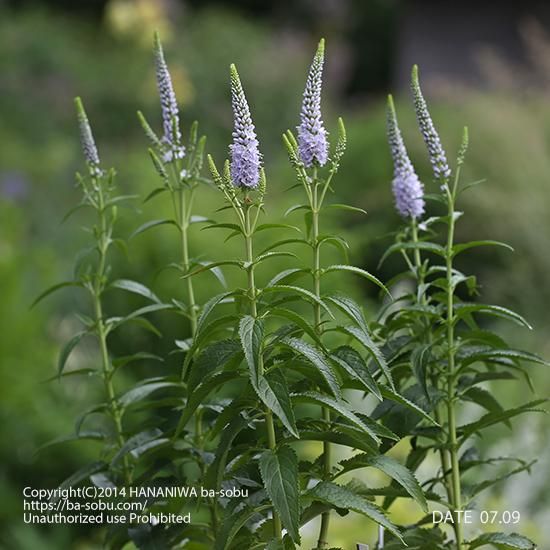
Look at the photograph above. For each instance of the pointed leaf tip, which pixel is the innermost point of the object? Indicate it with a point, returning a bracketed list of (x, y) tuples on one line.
[(414, 73)]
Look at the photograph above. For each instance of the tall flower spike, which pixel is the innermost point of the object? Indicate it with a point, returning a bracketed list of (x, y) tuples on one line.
[(169, 106), (87, 139), (408, 191), (312, 136), (437, 155), (244, 152)]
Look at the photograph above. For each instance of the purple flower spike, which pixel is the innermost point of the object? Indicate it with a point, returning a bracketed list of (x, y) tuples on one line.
[(407, 188), (437, 155), (169, 106), (312, 136), (245, 156), (87, 139)]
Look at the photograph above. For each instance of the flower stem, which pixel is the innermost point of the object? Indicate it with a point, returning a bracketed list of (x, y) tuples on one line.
[(104, 237), (420, 277), (252, 295), (186, 203), (456, 500), (316, 203)]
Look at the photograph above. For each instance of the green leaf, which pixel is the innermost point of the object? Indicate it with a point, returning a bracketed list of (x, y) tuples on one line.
[(397, 398), (141, 355), (483, 398), (496, 417), (265, 226), (154, 193), (422, 245), (149, 225), (345, 207), (284, 242), (269, 255), (458, 248), (209, 307), (214, 475), (272, 389), (134, 442), (295, 208), (200, 393), (302, 291), (364, 338), (54, 288), (136, 288), (342, 497), (350, 308), (472, 492), (84, 473), (461, 310), (420, 359), (232, 226), (358, 271), (318, 359), (352, 362), (402, 475), (503, 541), (279, 469), (232, 524), (213, 357), (520, 355), (339, 406), (251, 333), (298, 320), (67, 349), (216, 271), (144, 390)]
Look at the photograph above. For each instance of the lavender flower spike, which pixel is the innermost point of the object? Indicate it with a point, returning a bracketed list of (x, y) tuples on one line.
[(407, 188), (437, 155), (87, 139), (312, 136), (169, 106), (245, 156)]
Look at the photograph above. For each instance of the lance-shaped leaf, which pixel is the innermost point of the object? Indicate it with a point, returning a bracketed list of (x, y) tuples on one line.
[(358, 271), (272, 389), (402, 475), (503, 541), (251, 332), (342, 497), (136, 288), (339, 406), (352, 362), (279, 469), (316, 358), (364, 338)]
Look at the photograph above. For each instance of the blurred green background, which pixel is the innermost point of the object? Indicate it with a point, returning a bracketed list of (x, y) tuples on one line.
[(489, 71)]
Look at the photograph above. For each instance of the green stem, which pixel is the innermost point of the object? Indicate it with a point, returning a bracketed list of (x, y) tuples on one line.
[(107, 370), (420, 277), (316, 203), (186, 202), (451, 375), (252, 295)]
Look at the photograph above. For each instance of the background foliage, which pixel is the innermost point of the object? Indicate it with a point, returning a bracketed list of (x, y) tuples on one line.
[(47, 57)]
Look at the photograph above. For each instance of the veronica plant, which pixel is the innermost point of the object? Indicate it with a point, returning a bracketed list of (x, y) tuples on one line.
[(93, 274), (179, 168), (442, 357), (309, 154)]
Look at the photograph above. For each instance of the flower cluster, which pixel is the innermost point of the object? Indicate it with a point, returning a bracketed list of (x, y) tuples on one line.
[(437, 155), (170, 113), (87, 140), (407, 188), (312, 136), (244, 152)]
